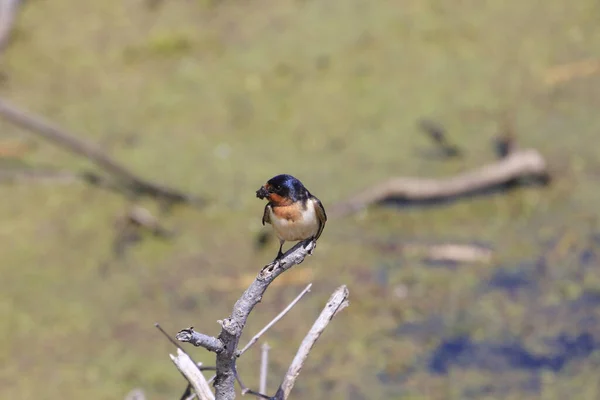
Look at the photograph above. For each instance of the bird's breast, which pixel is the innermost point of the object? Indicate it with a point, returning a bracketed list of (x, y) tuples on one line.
[(293, 222)]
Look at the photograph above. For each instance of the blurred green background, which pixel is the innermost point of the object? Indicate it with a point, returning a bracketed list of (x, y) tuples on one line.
[(214, 98)]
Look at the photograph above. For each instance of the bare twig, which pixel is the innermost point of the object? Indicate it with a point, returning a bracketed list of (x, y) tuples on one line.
[(264, 367), (270, 324), (519, 164), (192, 373), (188, 394), (275, 320), (212, 379), (337, 302), (245, 389), (166, 335), (232, 327), (78, 146), (194, 376)]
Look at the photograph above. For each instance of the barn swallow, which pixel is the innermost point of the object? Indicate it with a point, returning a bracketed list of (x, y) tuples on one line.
[(292, 210)]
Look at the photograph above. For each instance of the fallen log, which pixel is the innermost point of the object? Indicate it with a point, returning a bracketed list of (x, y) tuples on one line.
[(518, 165)]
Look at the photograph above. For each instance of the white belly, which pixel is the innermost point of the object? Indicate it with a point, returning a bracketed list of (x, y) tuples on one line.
[(304, 228)]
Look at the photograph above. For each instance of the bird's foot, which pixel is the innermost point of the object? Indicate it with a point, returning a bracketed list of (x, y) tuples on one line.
[(310, 245), (271, 266), (275, 263)]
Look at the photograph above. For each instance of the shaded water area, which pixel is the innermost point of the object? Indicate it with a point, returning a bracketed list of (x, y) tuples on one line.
[(216, 97)]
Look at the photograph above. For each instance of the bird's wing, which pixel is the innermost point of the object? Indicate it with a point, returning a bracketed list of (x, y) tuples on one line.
[(266, 217), (320, 210)]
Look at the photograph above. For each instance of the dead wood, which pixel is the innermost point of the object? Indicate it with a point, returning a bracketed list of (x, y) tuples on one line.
[(519, 164), (74, 144), (226, 344), (191, 371), (337, 302), (264, 368)]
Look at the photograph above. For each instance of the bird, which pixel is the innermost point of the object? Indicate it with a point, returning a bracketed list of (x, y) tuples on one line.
[(293, 212)]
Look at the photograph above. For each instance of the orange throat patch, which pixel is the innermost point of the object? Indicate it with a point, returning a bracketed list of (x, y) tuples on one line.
[(279, 201), (292, 212)]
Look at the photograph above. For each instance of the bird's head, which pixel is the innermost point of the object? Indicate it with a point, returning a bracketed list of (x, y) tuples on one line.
[(282, 189)]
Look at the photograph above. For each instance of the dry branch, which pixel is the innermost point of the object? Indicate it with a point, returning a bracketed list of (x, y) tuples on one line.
[(337, 302), (198, 339), (233, 326), (264, 367), (519, 164), (192, 373), (93, 153), (225, 346), (274, 320), (188, 335)]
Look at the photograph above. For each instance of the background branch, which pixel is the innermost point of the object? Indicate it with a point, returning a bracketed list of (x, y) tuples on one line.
[(337, 302), (519, 164), (78, 146)]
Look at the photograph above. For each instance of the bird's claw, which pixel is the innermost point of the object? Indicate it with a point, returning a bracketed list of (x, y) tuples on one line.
[(271, 266), (310, 246)]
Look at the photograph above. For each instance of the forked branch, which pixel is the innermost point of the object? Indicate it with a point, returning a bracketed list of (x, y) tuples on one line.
[(226, 344)]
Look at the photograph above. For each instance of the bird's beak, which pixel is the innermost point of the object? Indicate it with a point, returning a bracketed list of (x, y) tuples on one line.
[(262, 192)]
